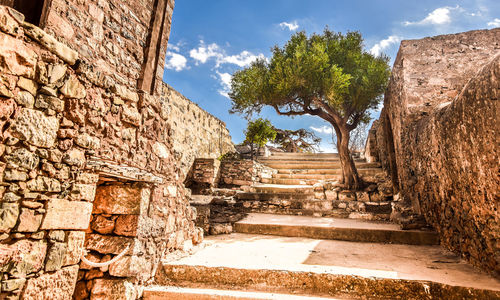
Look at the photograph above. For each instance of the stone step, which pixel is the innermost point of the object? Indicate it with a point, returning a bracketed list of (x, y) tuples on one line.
[(303, 160), (361, 171), (179, 293), (316, 165), (305, 155), (331, 177), (333, 229), (342, 269), (290, 181), (282, 188), (274, 196)]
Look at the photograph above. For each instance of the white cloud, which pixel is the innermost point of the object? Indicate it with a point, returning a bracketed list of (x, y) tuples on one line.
[(204, 52), (225, 81), (291, 26), (494, 23), (439, 16), (323, 129), (384, 44), (175, 61), (243, 59)]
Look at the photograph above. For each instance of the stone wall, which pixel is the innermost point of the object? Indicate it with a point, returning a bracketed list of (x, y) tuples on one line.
[(437, 134), (122, 39), (237, 172), (197, 134), (66, 135)]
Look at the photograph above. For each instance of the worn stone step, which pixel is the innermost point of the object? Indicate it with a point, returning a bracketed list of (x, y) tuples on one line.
[(282, 188), (308, 176), (334, 229), (304, 155), (290, 181), (316, 165), (274, 196), (336, 213), (361, 171), (328, 267), (179, 293)]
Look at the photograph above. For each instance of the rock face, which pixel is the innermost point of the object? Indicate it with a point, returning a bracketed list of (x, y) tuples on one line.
[(436, 137)]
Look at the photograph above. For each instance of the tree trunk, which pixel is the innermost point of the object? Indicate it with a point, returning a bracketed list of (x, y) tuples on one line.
[(350, 176)]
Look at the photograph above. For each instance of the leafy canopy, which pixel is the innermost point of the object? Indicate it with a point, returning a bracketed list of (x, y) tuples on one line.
[(259, 132), (300, 140), (329, 75)]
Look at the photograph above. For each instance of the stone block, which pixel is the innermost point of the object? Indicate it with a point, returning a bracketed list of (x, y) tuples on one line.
[(8, 23), (131, 266), (118, 199), (24, 98), (56, 72), (16, 58), (160, 150), (49, 102), (35, 128), (9, 213), (221, 228), (131, 115), (74, 247), (13, 284), (107, 244), (113, 289), (55, 257), (102, 224), (23, 257), (127, 225), (87, 141), (22, 158), (29, 221), (28, 85), (74, 157), (64, 214), (62, 51), (85, 192), (44, 184), (55, 286), (125, 93), (15, 175)]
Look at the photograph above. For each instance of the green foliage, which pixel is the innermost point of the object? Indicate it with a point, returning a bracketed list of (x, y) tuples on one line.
[(329, 75), (259, 132)]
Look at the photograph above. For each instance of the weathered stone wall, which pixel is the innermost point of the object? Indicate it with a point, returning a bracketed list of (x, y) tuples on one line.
[(66, 133), (243, 172), (197, 134), (438, 135), (115, 36)]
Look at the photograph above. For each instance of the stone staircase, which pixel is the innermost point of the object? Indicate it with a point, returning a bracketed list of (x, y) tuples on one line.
[(296, 253), (301, 257), (298, 188)]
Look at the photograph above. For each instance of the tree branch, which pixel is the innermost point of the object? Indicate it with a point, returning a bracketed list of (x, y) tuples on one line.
[(288, 113)]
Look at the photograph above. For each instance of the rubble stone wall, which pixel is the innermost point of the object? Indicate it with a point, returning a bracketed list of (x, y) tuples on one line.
[(438, 135), (197, 134), (113, 35), (71, 142), (243, 172)]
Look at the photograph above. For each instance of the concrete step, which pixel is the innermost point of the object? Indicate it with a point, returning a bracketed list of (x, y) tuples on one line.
[(326, 171), (282, 188), (342, 269), (334, 229), (317, 165), (179, 293)]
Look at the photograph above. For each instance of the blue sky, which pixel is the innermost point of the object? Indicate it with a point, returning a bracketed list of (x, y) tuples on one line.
[(210, 40)]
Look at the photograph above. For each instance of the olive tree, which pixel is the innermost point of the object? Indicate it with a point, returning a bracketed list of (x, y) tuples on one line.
[(327, 75)]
